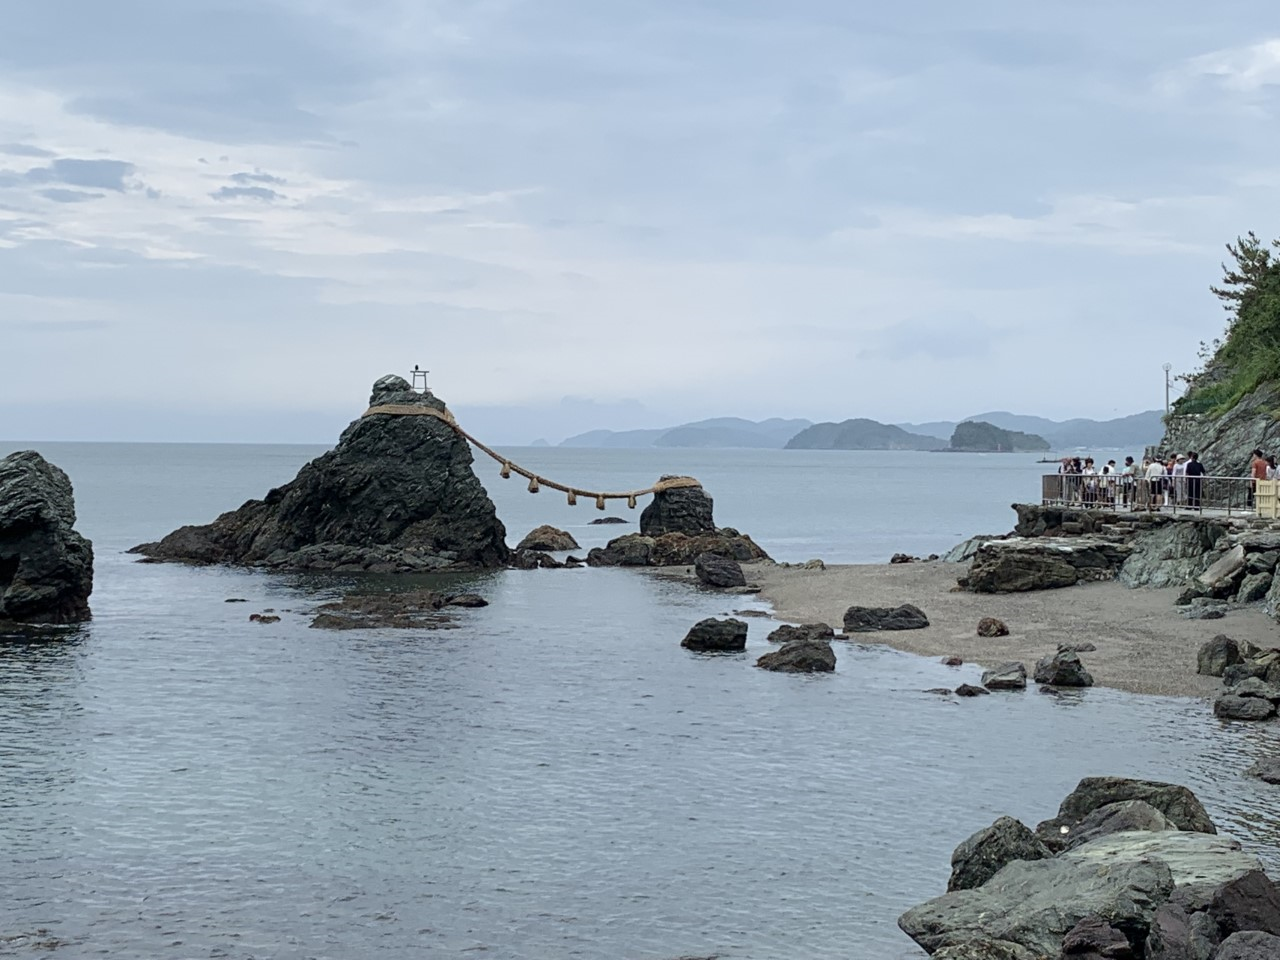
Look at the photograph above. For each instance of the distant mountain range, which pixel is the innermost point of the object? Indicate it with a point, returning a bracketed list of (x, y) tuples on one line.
[(1124, 433)]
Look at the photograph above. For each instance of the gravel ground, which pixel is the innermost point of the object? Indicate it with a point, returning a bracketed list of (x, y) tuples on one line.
[(1144, 644)]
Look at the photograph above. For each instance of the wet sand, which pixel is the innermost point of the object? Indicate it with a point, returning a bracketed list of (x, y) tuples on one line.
[(1144, 644)]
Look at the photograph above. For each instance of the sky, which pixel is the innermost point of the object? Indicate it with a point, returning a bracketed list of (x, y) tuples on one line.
[(224, 220)]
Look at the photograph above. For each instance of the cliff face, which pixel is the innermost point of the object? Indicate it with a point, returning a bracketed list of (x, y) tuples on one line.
[(1225, 443), (396, 494)]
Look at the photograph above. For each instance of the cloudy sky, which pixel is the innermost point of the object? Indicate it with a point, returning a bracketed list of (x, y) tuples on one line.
[(223, 220)]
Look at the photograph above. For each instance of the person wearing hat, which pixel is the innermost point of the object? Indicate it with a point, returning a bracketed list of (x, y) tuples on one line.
[(1180, 479)]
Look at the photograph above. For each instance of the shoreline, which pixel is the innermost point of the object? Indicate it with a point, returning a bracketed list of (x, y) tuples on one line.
[(1144, 643)]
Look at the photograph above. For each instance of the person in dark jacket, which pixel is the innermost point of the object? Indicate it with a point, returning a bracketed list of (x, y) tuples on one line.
[(1195, 481)]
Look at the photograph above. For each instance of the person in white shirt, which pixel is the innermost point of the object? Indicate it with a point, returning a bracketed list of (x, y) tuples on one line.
[(1179, 494), (1155, 482), (1128, 479)]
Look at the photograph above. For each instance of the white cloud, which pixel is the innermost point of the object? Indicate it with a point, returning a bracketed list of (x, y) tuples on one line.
[(1245, 68)]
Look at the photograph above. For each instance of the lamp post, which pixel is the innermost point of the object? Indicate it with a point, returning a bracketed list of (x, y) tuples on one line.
[(1167, 368)]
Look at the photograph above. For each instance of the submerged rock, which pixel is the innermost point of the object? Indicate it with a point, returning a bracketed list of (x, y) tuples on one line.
[(805, 655), (870, 619), (603, 520), (396, 494), (46, 568), (547, 537), (712, 635), (1267, 770), (413, 609)]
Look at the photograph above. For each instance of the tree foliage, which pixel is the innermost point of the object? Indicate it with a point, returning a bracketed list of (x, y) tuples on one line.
[(1248, 353)]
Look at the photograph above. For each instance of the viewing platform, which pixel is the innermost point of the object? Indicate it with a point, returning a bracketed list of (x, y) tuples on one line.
[(1174, 496)]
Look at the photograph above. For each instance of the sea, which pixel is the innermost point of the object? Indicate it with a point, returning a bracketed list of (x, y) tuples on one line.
[(554, 778)]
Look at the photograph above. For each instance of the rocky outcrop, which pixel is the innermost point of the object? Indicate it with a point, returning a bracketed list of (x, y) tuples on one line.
[(805, 655), (547, 537), (805, 631), (412, 609), (716, 636), (1171, 553), (396, 494), (872, 619), (990, 850), (716, 571), (1020, 564), (684, 510), (1007, 676), (1178, 804), (674, 549), (46, 568), (1225, 442), (1063, 669)]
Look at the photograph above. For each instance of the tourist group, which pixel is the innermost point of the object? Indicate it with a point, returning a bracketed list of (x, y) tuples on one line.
[(1176, 481)]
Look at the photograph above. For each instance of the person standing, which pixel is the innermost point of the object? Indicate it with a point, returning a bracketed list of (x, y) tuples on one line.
[(1194, 471), (1128, 481), (1179, 472), (1257, 471), (1155, 483)]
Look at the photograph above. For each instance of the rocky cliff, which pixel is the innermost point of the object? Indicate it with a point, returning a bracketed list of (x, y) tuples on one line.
[(1225, 442), (396, 494), (46, 568)]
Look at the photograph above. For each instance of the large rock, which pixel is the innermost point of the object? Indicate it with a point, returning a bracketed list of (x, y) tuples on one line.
[(1018, 565), (396, 494), (46, 568), (1216, 655), (1176, 802), (1063, 669), (547, 537), (1034, 903), (1123, 817), (1007, 676), (1251, 945), (987, 852), (1247, 902), (1171, 553), (716, 635), (871, 619), (684, 510), (807, 655), (717, 571), (805, 631), (674, 549)]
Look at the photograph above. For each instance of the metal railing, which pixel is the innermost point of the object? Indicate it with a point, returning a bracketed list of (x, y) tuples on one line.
[(1171, 494)]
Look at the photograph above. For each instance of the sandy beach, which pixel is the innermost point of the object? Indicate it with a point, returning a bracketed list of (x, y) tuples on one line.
[(1144, 644)]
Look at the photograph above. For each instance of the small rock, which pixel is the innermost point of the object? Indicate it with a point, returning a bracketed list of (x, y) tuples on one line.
[(1238, 672), (1063, 670), (814, 565), (1205, 612), (465, 600), (717, 571), (806, 655), (805, 631), (600, 520), (953, 661), (235, 600), (969, 690), (1267, 770), (1216, 655), (716, 635), (902, 558), (1230, 707), (1084, 647), (870, 619), (1253, 588), (1120, 817), (991, 627), (263, 618), (1253, 687), (1007, 676)]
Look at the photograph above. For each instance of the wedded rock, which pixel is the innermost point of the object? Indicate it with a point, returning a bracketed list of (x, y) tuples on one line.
[(686, 510), (1035, 903), (1230, 707), (991, 627), (870, 619), (806, 655), (1249, 945), (397, 493), (46, 568), (987, 852), (1063, 669), (712, 635), (1216, 655), (1007, 676), (805, 631), (1123, 817), (717, 571), (1176, 802), (547, 537)]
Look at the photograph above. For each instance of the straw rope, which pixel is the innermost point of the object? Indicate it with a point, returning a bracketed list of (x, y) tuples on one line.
[(536, 482)]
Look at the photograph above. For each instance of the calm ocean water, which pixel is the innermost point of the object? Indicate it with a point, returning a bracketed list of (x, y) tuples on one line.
[(556, 778)]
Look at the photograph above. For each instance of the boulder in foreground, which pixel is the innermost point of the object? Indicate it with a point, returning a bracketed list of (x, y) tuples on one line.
[(46, 568), (396, 494)]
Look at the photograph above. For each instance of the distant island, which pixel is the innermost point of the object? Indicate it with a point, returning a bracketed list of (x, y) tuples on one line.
[(860, 434), (976, 436), (1131, 433)]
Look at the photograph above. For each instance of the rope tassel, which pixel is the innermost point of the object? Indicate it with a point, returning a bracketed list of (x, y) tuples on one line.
[(573, 498), (533, 484), (506, 470), (600, 502), (631, 501)]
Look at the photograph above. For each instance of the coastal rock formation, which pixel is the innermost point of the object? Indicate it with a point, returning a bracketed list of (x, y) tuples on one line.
[(871, 619), (1063, 669), (46, 568), (547, 537), (1007, 676), (1019, 564), (1159, 894), (988, 851), (673, 549), (712, 635), (806, 631), (396, 494), (414, 609), (1226, 441), (717, 571), (805, 655), (684, 510)]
